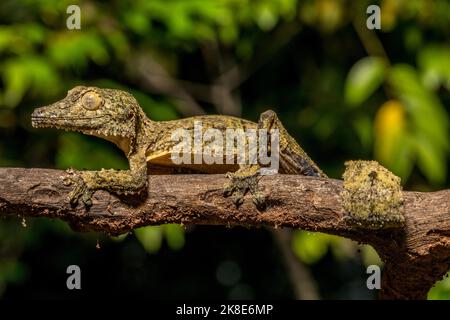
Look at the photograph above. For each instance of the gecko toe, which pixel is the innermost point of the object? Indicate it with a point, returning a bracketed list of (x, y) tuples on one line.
[(80, 189), (259, 199), (238, 198), (87, 198), (239, 186), (228, 190), (74, 196)]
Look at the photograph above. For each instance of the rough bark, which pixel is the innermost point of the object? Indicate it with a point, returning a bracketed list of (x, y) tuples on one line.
[(416, 256)]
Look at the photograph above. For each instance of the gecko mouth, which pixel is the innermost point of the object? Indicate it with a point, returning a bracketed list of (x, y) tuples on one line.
[(65, 123)]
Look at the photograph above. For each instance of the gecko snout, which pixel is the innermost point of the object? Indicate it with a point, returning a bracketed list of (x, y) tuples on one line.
[(39, 112), (42, 116)]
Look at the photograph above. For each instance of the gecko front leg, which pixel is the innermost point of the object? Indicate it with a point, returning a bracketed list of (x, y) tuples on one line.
[(244, 181), (117, 181)]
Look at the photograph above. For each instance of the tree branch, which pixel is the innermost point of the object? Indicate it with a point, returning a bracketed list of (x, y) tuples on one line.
[(416, 256)]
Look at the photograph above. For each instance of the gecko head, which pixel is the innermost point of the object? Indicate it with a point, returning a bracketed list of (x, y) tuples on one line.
[(108, 113)]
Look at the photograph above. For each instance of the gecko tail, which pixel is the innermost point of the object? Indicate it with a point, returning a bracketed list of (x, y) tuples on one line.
[(293, 163)]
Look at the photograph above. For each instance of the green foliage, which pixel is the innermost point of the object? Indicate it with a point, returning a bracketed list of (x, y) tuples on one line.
[(156, 110), (27, 72), (151, 237), (77, 49), (312, 247), (420, 133), (413, 128), (363, 79), (81, 153), (441, 290), (435, 66)]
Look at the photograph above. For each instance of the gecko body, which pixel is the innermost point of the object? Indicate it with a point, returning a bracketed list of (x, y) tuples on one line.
[(116, 116)]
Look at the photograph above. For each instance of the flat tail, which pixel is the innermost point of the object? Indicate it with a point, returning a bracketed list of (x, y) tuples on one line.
[(294, 163)]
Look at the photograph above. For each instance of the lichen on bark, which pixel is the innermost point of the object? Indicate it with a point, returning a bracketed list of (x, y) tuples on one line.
[(372, 196)]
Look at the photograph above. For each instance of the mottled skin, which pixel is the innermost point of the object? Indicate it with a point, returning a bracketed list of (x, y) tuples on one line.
[(116, 116)]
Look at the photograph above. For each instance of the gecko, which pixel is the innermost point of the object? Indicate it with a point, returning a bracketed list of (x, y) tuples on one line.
[(115, 115)]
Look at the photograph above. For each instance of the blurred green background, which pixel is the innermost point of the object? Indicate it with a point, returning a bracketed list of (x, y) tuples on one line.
[(345, 92)]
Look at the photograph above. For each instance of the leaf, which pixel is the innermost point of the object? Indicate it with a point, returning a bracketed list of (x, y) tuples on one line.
[(434, 62), (427, 113), (16, 80), (28, 72), (363, 79), (21, 38), (393, 147), (342, 248), (179, 23), (288, 8), (136, 21), (370, 256), (174, 236), (431, 160), (266, 15), (76, 49), (32, 32), (428, 124), (7, 38), (119, 42), (389, 129), (150, 238), (310, 248), (441, 290)]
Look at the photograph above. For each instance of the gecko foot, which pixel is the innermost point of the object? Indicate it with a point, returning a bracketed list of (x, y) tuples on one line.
[(240, 185), (81, 189)]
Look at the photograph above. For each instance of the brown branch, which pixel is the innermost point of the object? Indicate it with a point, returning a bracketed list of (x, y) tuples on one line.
[(416, 256)]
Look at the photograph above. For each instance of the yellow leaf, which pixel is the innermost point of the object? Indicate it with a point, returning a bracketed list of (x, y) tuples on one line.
[(389, 125), (389, 12)]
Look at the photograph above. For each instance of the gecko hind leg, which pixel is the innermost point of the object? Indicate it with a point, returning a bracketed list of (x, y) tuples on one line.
[(293, 159), (246, 179)]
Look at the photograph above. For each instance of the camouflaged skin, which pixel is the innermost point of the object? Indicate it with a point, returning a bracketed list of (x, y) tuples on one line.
[(116, 116)]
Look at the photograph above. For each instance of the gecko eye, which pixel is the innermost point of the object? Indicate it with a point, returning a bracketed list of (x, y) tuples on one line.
[(91, 100)]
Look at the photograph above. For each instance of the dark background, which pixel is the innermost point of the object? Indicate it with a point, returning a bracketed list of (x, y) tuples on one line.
[(344, 91)]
